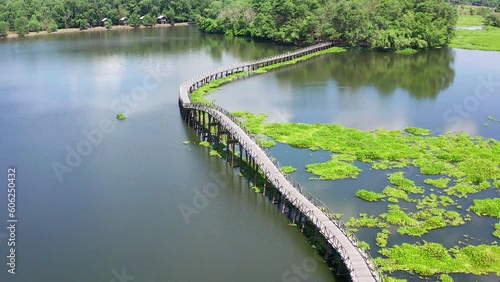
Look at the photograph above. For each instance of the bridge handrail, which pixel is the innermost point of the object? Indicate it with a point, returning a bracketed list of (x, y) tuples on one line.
[(185, 90)]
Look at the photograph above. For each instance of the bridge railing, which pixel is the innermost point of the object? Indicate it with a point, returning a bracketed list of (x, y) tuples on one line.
[(185, 101)]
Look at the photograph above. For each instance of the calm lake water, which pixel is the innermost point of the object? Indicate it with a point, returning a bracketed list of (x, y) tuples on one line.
[(443, 90), (113, 214)]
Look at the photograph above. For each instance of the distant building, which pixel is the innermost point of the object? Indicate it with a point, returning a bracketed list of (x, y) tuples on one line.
[(103, 22), (162, 19), (124, 21)]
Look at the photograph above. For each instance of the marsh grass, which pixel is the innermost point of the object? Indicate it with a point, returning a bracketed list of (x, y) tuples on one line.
[(469, 20), (487, 39), (406, 51)]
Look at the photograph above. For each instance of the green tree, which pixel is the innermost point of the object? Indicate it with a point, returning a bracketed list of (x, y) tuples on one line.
[(21, 25), (4, 29), (109, 24), (52, 27), (148, 20), (134, 20), (34, 25), (83, 24)]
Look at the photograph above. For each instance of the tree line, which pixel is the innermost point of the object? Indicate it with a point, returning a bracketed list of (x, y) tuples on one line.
[(383, 24), (23, 16)]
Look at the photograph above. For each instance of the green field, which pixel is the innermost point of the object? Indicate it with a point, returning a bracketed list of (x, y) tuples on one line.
[(488, 39), (470, 20)]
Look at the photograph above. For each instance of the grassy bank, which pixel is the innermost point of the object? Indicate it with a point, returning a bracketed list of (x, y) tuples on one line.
[(487, 40)]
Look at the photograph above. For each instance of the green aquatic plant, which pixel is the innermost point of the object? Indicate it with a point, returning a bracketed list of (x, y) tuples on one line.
[(120, 116), (382, 238), (396, 193), (186, 142), (418, 131), (445, 278), (433, 258), (439, 183), (333, 169), (265, 143), (486, 207), (363, 245), (406, 51), (214, 153), (399, 180), (288, 169), (369, 196), (496, 233), (205, 144)]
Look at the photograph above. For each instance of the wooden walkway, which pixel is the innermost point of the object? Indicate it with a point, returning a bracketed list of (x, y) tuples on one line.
[(358, 262)]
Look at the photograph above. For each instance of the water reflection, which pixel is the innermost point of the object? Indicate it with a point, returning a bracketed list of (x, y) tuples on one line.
[(423, 75)]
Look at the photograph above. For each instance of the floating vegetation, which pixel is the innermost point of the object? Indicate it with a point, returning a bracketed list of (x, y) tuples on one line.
[(470, 160), (433, 258), (439, 183), (418, 131), (493, 119), (369, 196), (496, 233), (364, 245), (120, 116), (214, 153), (265, 143), (486, 207), (396, 194), (333, 169), (205, 144), (256, 189), (445, 278), (288, 169), (186, 142), (382, 238), (399, 180)]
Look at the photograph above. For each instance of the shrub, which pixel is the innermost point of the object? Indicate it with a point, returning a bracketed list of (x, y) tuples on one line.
[(52, 27), (109, 24), (21, 25), (4, 29)]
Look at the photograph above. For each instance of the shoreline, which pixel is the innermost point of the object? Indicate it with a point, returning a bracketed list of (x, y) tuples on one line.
[(93, 29)]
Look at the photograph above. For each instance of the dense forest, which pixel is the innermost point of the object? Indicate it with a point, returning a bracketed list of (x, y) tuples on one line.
[(385, 24)]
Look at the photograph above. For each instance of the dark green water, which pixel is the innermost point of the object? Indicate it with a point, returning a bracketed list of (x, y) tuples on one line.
[(116, 205)]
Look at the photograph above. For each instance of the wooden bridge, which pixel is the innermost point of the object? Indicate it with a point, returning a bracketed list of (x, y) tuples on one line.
[(213, 123)]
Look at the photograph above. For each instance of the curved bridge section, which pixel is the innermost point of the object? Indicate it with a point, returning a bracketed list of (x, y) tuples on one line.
[(214, 123)]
